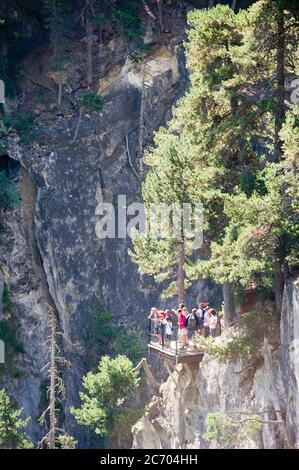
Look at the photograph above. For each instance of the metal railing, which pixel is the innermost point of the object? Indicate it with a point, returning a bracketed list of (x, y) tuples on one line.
[(157, 336)]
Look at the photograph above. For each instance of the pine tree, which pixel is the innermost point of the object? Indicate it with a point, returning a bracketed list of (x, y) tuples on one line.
[(106, 391), (206, 134), (164, 249), (270, 34), (10, 425), (232, 119)]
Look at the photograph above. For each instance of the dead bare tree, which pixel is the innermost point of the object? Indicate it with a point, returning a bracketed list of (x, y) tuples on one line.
[(56, 390)]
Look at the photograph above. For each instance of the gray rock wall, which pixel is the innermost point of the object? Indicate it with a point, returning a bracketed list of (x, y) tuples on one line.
[(50, 254), (176, 417)]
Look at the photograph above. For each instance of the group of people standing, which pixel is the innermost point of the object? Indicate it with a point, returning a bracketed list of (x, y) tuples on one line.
[(170, 325)]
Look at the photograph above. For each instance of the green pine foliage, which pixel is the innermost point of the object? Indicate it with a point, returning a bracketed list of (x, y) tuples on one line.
[(240, 347), (245, 342), (12, 425), (58, 20), (23, 124), (9, 328), (91, 101), (108, 338), (66, 441), (106, 393), (171, 171), (13, 345), (124, 15), (222, 149), (9, 194)]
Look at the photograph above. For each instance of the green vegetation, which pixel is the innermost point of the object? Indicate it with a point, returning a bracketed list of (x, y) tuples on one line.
[(13, 346), (246, 343), (225, 431), (106, 393), (129, 344), (14, 38), (240, 347), (124, 14), (121, 347), (9, 194), (164, 258), (9, 335), (23, 124), (11, 436), (108, 338), (91, 101), (233, 146), (66, 441)]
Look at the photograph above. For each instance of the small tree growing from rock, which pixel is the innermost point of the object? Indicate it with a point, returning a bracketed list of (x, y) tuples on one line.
[(11, 425)]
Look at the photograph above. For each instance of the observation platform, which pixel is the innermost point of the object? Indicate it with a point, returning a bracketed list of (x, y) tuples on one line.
[(176, 356)]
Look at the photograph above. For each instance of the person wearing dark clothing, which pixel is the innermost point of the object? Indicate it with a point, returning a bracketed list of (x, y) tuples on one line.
[(192, 323), (200, 315)]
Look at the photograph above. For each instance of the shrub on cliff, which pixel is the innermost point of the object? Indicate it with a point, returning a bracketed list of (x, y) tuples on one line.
[(10, 425), (240, 347), (224, 430), (106, 392), (9, 195)]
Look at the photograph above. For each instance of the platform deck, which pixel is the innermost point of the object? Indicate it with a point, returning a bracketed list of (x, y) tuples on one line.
[(181, 357)]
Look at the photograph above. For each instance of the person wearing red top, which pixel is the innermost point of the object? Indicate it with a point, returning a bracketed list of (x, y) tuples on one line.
[(182, 320), (163, 313)]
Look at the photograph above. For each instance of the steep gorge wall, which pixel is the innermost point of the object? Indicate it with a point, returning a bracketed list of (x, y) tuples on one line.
[(176, 417), (50, 254)]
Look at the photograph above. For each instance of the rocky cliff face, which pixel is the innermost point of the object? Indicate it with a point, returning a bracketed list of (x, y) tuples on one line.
[(50, 254), (176, 417)]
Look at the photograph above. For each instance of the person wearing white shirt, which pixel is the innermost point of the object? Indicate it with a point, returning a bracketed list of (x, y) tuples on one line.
[(213, 320), (206, 323)]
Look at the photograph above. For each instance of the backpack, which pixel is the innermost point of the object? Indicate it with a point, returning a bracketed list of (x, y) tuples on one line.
[(192, 321)]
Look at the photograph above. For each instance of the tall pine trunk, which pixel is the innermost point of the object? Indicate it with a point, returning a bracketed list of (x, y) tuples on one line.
[(229, 303), (181, 271)]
